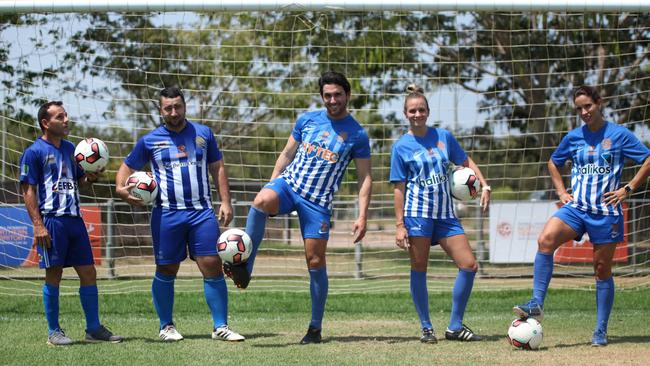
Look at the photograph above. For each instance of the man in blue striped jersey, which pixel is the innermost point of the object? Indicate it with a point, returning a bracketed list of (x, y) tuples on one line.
[(50, 180), (306, 175), (182, 156)]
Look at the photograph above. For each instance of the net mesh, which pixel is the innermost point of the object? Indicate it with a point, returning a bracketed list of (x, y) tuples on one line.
[(500, 81)]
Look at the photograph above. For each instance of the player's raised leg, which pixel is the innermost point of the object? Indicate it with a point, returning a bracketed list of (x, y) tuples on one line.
[(555, 232), (267, 202)]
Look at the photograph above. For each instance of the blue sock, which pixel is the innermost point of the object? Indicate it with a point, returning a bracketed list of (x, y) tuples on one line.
[(51, 304), (318, 288), (460, 296), (420, 296), (216, 295), (255, 225), (604, 302), (89, 297), (162, 289), (542, 273)]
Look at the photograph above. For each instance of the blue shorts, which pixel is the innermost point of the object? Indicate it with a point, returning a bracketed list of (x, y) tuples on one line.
[(70, 243), (174, 231), (314, 219), (602, 229), (436, 229)]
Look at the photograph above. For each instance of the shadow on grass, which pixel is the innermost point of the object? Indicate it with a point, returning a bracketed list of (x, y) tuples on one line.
[(208, 336), (370, 338), (493, 338), (202, 336), (345, 339), (612, 341), (629, 339)]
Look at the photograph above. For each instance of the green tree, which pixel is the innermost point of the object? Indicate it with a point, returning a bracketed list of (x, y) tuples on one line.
[(524, 67)]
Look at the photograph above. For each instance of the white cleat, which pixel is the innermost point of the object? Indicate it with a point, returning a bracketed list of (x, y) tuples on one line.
[(170, 334), (225, 334)]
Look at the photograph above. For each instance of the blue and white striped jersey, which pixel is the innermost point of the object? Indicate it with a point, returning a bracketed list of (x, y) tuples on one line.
[(423, 163), (55, 174), (325, 151), (598, 160), (179, 162)]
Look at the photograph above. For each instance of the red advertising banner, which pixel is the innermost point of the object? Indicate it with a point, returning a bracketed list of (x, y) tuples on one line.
[(582, 251), (92, 216)]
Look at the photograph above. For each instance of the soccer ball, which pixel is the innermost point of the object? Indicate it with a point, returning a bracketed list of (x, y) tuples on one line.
[(464, 184), (525, 333), (234, 246), (91, 154), (145, 187)]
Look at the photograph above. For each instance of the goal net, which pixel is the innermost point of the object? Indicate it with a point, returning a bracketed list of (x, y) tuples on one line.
[(500, 81)]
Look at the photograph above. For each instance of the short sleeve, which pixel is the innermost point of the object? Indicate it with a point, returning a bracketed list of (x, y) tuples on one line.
[(397, 166), (456, 153), (30, 167), (633, 148), (361, 149), (562, 152), (214, 154), (139, 156), (296, 132)]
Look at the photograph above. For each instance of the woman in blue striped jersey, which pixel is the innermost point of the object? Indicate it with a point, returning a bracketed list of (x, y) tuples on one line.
[(425, 215), (598, 150)]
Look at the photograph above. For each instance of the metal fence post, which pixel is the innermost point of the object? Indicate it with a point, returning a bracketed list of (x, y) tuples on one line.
[(632, 207), (358, 251), (358, 262), (480, 245), (109, 239)]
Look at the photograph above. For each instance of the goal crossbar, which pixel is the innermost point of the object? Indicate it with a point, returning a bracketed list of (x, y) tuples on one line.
[(83, 6)]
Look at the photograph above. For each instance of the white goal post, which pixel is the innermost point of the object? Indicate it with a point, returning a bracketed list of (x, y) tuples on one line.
[(75, 6)]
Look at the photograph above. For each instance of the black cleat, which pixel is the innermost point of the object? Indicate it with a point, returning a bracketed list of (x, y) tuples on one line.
[(464, 335), (313, 336), (428, 336), (238, 273)]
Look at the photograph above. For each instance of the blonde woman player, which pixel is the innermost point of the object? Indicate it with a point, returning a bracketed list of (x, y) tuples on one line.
[(425, 215)]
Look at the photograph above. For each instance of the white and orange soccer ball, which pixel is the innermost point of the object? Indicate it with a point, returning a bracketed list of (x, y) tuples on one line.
[(234, 246), (145, 187), (464, 184), (525, 333), (91, 154)]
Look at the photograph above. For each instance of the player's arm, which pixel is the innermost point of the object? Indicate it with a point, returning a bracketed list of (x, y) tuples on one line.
[(364, 182), (220, 176), (401, 234), (615, 197), (286, 157), (41, 235), (486, 190), (558, 183), (122, 189)]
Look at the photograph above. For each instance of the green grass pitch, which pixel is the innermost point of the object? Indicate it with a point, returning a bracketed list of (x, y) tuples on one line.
[(359, 329)]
